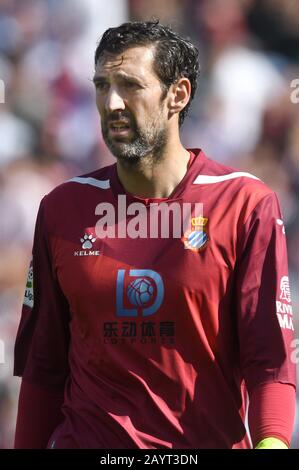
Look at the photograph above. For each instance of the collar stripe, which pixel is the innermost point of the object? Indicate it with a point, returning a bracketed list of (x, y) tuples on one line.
[(103, 184), (211, 179)]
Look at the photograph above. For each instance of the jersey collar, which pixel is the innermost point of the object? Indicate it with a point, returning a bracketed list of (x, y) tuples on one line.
[(194, 166)]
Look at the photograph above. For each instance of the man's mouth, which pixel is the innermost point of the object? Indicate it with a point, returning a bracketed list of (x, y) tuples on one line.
[(120, 128)]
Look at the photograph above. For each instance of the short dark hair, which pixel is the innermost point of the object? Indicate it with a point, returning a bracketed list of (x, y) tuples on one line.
[(174, 56)]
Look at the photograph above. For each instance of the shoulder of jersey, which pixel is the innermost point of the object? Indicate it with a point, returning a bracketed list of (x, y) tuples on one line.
[(99, 180), (216, 175)]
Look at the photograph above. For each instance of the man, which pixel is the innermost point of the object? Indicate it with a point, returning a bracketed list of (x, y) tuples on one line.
[(151, 330)]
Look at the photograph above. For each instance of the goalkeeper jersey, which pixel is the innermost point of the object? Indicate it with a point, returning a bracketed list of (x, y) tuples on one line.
[(157, 316)]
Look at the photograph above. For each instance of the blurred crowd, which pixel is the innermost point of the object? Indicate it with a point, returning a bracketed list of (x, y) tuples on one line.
[(49, 129)]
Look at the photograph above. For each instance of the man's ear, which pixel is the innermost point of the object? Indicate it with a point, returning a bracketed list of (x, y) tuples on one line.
[(179, 95)]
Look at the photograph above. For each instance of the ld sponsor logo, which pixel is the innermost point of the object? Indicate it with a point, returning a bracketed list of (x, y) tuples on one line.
[(142, 289)]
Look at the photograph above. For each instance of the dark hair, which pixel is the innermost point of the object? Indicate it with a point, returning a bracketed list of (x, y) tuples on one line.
[(174, 56)]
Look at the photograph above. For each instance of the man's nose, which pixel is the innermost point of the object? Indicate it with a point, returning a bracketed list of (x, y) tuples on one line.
[(114, 101)]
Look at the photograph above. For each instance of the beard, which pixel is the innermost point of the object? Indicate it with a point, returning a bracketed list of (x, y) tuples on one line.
[(144, 144)]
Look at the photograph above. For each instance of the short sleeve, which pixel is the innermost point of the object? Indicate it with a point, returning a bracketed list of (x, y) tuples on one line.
[(263, 300), (42, 342)]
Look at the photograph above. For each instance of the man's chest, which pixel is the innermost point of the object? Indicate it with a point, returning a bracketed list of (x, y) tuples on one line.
[(103, 256), (128, 289)]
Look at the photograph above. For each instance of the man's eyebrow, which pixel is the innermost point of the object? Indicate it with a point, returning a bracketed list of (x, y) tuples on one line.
[(120, 75), (98, 78)]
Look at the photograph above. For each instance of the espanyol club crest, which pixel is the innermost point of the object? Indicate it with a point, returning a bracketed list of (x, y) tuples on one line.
[(196, 238)]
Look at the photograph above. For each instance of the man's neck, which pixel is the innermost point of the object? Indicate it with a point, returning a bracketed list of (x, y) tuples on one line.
[(151, 178)]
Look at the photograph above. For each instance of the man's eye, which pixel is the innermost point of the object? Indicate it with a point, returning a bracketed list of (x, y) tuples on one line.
[(132, 85), (101, 86)]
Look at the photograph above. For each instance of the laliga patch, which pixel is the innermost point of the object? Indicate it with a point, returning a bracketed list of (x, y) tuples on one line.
[(28, 297)]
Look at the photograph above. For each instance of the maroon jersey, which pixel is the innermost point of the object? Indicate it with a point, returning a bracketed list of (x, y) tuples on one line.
[(157, 337)]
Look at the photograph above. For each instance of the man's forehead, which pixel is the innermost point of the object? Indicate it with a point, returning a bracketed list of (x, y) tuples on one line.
[(135, 58)]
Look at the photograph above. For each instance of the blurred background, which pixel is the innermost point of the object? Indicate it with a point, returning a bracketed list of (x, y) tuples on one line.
[(49, 129)]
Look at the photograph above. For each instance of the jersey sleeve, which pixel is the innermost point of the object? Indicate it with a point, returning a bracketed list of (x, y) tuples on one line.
[(42, 342), (263, 301)]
